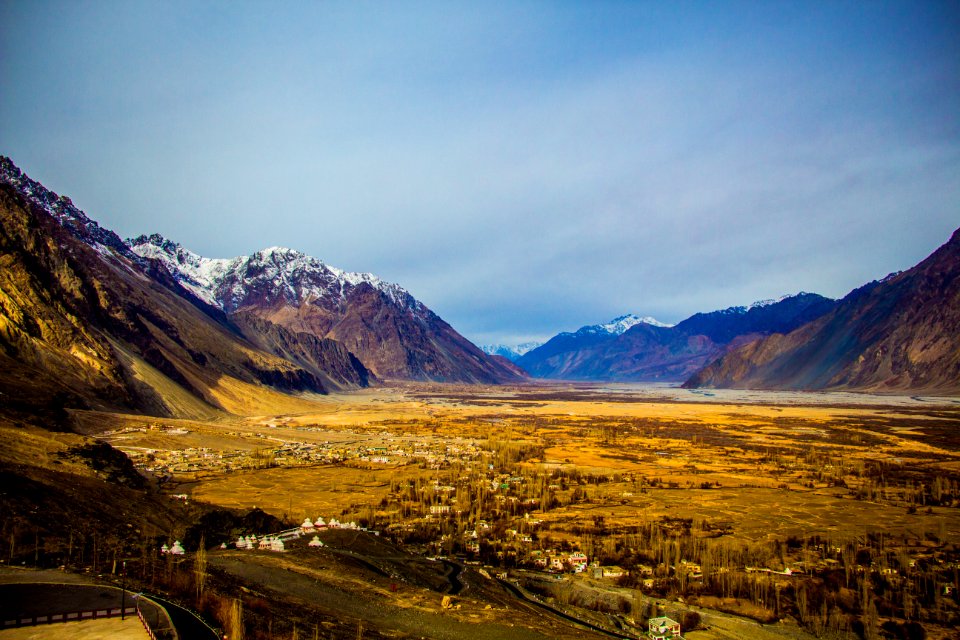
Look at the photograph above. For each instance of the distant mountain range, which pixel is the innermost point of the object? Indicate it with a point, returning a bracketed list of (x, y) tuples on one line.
[(90, 320), (511, 353), (898, 334), (87, 320), (633, 348)]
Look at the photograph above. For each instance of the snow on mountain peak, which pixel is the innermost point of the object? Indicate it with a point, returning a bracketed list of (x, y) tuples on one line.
[(621, 324), (768, 302), (277, 272), (510, 352)]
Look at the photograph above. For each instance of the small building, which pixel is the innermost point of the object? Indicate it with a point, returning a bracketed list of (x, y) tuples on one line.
[(663, 629)]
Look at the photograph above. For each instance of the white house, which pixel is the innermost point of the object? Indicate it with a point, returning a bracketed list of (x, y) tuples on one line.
[(663, 629)]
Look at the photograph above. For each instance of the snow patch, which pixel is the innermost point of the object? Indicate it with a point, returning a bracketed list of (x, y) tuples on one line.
[(275, 272)]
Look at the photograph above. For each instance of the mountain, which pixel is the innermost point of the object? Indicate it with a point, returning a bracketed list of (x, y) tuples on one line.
[(572, 354), (511, 353), (387, 329), (630, 348), (899, 334), (87, 323), (765, 316)]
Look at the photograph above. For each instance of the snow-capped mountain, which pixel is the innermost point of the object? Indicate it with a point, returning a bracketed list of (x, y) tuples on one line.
[(391, 332), (116, 331), (288, 275), (617, 326), (510, 352), (641, 348)]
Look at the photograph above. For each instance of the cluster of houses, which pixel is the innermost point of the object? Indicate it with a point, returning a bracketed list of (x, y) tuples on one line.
[(265, 543), (276, 541), (285, 453), (309, 526), (550, 560), (175, 550)]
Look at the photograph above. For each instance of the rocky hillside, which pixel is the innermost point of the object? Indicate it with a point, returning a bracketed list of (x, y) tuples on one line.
[(898, 334), (387, 329), (85, 322)]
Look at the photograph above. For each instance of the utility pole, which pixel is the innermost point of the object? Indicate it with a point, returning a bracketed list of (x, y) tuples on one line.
[(123, 590)]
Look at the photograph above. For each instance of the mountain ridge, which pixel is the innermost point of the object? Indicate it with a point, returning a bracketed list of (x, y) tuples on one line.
[(653, 351), (901, 333), (392, 333)]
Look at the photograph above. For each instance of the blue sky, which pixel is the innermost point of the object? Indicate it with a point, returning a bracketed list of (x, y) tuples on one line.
[(523, 168)]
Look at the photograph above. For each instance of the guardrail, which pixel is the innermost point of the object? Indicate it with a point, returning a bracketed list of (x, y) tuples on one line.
[(152, 615), (146, 626), (70, 616)]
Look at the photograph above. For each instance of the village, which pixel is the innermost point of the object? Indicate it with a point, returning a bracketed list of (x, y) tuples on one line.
[(262, 450), (572, 533)]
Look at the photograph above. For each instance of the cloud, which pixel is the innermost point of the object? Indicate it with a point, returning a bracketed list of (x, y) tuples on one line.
[(522, 170)]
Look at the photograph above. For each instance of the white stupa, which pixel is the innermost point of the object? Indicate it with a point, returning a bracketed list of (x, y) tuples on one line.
[(277, 545), (315, 542), (164, 549), (307, 525), (176, 549), (319, 523)]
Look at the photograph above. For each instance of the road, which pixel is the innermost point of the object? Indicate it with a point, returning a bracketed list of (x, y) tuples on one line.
[(522, 595), (188, 624)]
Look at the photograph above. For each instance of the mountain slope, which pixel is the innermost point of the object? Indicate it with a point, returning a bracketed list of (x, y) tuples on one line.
[(899, 334), (84, 322), (393, 334), (766, 316), (641, 349)]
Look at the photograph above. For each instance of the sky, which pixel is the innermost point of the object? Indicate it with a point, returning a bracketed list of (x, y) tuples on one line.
[(523, 168)]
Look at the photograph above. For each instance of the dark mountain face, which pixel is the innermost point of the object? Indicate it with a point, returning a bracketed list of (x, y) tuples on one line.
[(899, 334), (87, 323), (387, 329), (327, 359), (648, 353), (783, 316)]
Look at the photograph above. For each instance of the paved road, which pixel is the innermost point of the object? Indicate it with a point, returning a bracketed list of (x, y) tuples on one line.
[(31, 599), (189, 625), (453, 577), (556, 612)]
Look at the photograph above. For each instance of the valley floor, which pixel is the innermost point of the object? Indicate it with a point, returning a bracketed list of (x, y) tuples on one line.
[(830, 513)]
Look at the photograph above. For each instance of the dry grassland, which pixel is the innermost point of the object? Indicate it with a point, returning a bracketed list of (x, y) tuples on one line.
[(755, 457)]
